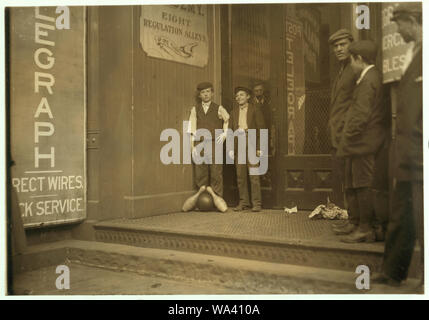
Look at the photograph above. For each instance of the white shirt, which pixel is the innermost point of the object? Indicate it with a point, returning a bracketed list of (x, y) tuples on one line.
[(206, 106), (364, 73), (242, 117)]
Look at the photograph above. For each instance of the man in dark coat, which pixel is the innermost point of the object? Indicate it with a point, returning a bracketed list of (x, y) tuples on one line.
[(245, 116), (406, 217), (341, 97), (363, 135), (261, 100)]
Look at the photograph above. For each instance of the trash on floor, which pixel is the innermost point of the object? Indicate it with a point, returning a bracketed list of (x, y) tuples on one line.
[(329, 211), (291, 210)]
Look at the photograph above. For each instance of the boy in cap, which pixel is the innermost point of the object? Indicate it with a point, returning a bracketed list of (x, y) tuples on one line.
[(245, 116), (341, 96), (406, 217), (363, 135), (208, 115)]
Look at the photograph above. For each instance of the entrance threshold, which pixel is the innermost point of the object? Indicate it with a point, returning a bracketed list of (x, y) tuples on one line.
[(269, 235)]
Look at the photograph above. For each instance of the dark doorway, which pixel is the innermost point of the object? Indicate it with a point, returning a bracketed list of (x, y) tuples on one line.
[(256, 47)]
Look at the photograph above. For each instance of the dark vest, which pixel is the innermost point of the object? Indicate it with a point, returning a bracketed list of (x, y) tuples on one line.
[(209, 121)]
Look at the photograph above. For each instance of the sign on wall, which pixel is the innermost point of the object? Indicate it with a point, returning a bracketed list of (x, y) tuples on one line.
[(175, 32), (393, 46), (310, 18), (295, 86), (47, 83)]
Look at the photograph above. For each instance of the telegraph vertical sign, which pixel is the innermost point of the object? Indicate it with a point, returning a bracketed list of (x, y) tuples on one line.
[(295, 86), (47, 108)]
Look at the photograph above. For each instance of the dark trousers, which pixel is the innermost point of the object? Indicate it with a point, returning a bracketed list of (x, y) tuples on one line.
[(338, 167), (209, 174), (381, 186), (381, 208), (405, 224), (360, 207), (358, 178), (243, 190)]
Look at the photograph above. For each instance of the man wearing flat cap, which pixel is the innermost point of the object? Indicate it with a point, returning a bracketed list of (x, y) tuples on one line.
[(362, 137), (341, 96), (210, 116), (245, 116), (406, 217)]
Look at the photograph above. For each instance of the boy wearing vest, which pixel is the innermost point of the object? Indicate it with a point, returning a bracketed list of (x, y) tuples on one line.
[(210, 116)]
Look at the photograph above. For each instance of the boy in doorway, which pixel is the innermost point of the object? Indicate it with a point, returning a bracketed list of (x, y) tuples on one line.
[(247, 116)]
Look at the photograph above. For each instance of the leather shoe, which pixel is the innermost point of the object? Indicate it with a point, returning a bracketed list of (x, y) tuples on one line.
[(347, 229), (384, 279), (241, 207), (339, 224), (379, 233), (359, 236), (256, 209)]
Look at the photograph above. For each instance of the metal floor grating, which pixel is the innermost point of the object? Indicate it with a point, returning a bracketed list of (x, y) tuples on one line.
[(273, 225)]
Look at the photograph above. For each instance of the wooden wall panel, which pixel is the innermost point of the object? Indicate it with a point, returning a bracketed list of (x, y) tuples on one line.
[(163, 93), (115, 114)]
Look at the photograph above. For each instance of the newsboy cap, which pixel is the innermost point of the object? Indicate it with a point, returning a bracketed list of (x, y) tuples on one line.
[(247, 90), (204, 85), (340, 34), (365, 48), (406, 9)]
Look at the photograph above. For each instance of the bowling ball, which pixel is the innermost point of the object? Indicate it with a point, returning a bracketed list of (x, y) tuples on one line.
[(205, 201)]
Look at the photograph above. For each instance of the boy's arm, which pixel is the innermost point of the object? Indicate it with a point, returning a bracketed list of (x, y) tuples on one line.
[(230, 121), (224, 115), (192, 125)]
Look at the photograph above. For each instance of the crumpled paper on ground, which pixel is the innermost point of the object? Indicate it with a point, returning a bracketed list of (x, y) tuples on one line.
[(329, 211), (291, 210)]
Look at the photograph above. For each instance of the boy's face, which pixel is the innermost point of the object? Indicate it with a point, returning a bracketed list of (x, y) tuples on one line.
[(206, 95), (242, 97), (258, 90), (405, 29), (357, 63)]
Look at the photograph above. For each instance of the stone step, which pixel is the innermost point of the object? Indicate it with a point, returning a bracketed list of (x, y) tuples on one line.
[(242, 275), (310, 250)]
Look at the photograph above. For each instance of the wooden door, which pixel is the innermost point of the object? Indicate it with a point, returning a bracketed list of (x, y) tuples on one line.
[(299, 159), (246, 40), (303, 164), (307, 181)]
